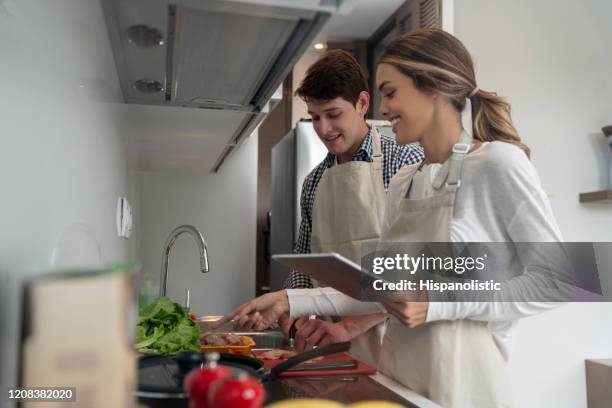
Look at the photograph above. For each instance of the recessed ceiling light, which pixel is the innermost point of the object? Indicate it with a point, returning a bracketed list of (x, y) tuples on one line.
[(148, 86), (320, 46), (144, 36)]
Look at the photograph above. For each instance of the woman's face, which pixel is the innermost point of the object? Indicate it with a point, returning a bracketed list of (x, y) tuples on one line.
[(409, 110)]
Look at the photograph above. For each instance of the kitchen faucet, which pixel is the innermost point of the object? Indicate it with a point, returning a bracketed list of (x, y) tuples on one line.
[(199, 238)]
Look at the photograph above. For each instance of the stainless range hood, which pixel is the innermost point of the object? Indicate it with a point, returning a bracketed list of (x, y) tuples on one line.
[(208, 54)]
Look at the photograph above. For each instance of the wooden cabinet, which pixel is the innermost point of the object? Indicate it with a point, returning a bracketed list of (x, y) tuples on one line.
[(419, 14)]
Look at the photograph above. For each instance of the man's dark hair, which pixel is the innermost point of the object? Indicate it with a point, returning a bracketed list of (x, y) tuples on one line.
[(336, 74)]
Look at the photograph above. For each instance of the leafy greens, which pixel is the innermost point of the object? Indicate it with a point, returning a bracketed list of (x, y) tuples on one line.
[(164, 327)]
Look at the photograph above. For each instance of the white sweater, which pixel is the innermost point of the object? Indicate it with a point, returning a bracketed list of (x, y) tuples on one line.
[(500, 200)]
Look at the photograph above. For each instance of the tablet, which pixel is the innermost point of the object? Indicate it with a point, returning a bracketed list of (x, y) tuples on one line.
[(339, 272), (328, 269)]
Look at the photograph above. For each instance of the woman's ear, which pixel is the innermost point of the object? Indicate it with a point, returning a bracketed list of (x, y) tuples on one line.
[(432, 93), (363, 103)]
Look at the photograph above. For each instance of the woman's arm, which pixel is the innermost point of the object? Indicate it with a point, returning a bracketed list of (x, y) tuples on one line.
[(527, 218), (327, 302), (261, 312)]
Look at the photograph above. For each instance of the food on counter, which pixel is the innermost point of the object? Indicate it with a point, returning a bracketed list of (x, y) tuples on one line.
[(227, 343), (164, 327), (221, 339), (306, 403), (275, 354), (239, 391), (199, 381)]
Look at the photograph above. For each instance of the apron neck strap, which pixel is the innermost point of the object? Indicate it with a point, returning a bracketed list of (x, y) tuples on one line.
[(376, 149), (451, 169)]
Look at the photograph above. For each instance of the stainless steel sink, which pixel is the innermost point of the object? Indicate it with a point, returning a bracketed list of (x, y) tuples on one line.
[(271, 338)]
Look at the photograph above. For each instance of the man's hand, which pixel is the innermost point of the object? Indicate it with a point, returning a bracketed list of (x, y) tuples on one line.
[(411, 314), (320, 333), (285, 323), (258, 313)]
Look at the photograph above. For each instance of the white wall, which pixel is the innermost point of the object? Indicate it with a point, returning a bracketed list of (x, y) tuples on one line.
[(62, 164), (552, 60), (223, 206)]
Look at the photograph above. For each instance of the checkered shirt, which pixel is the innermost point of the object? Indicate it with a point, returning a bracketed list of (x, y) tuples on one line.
[(394, 157)]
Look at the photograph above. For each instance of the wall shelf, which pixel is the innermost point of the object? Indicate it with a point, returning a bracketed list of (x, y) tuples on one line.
[(604, 196)]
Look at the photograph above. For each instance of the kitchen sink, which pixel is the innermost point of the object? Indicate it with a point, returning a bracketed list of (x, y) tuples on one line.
[(271, 338)]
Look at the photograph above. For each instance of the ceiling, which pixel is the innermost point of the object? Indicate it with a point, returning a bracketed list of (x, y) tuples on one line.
[(362, 19)]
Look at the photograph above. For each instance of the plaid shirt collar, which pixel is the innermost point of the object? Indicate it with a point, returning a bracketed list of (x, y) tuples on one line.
[(363, 154)]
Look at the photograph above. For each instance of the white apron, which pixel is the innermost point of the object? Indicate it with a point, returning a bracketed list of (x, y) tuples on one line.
[(454, 363), (347, 213)]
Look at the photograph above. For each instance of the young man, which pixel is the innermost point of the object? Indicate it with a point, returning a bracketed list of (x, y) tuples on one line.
[(342, 198)]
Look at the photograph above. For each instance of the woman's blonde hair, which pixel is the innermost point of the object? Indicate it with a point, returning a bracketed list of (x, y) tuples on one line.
[(438, 61)]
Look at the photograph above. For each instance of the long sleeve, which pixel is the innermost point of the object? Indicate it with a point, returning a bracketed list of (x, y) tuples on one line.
[(327, 302), (531, 221)]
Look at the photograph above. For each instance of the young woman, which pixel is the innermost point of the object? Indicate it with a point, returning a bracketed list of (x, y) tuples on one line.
[(477, 185)]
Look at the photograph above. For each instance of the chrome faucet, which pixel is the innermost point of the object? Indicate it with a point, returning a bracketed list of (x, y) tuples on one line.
[(199, 238)]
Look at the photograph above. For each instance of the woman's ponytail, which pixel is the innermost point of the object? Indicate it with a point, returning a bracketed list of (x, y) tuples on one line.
[(438, 61), (492, 120)]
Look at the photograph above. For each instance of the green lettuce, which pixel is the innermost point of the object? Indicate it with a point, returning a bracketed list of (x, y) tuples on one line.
[(164, 327)]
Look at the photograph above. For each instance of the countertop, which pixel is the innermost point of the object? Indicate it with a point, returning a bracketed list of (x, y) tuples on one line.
[(342, 389)]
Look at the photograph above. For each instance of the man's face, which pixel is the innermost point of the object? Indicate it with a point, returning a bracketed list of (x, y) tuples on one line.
[(338, 123)]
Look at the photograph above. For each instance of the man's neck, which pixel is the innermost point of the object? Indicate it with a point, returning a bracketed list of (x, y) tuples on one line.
[(348, 155)]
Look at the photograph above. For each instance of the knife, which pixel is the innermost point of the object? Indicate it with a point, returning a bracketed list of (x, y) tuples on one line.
[(326, 365)]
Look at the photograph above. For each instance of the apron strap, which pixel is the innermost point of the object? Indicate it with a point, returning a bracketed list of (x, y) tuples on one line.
[(407, 194), (451, 169), (376, 150)]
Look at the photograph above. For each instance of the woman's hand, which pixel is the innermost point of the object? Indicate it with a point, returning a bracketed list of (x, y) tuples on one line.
[(411, 314), (258, 313)]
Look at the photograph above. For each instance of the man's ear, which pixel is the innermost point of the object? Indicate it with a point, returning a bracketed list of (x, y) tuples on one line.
[(363, 103)]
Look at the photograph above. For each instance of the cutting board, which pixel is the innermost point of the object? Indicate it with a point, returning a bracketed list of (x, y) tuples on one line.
[(361, 369)]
